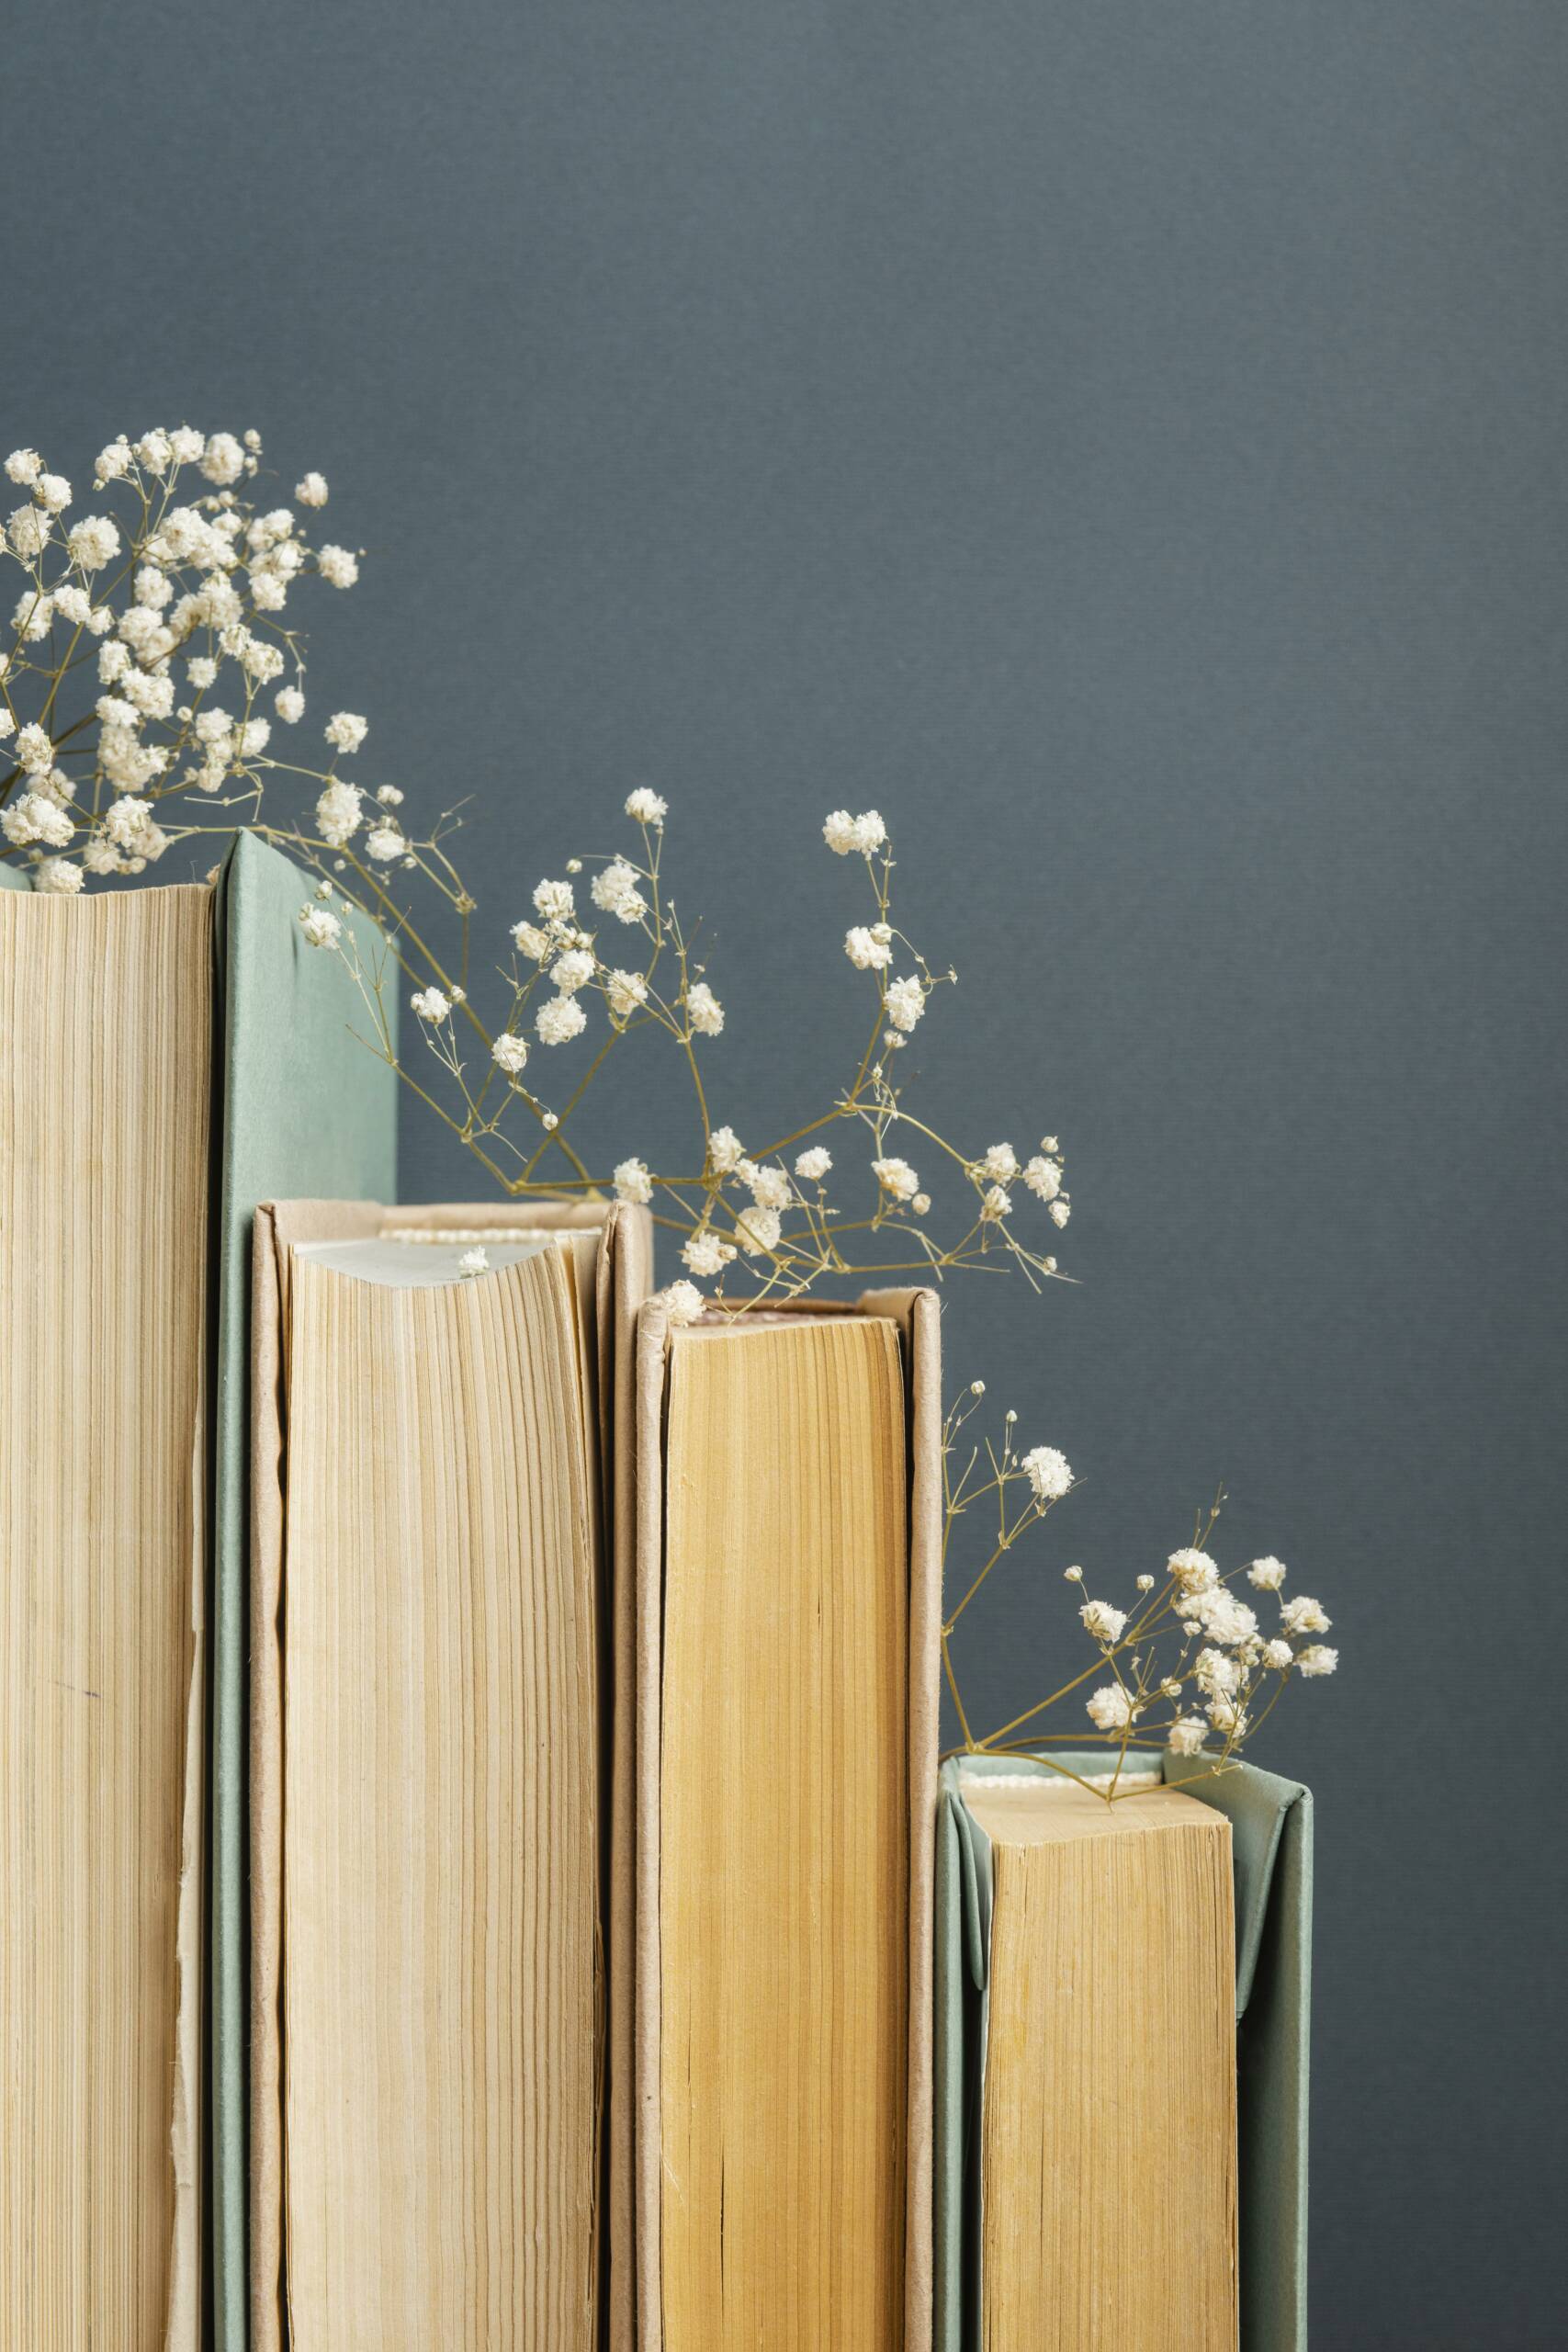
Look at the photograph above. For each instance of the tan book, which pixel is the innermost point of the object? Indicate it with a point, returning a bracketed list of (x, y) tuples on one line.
[(787, 1764), (1108, 2120), (434, 1862), (106, 1029)]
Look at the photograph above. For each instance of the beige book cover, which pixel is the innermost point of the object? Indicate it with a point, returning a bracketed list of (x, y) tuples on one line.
[(105, 1061), (788, 1567), (435, 1851)]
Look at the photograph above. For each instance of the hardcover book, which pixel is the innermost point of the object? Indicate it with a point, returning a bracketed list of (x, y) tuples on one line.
[(788, 1561), (434, 1810), (157, 1048), (1085, 1962)]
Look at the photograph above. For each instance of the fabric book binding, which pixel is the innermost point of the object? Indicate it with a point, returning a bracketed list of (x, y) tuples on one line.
[(1270, 1823)]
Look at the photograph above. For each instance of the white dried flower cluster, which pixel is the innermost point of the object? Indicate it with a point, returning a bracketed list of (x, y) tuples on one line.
[(1191, 1668), (780, 1213), (154, 616)]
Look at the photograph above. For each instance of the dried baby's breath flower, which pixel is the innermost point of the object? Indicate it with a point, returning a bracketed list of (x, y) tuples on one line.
[(633, 1183), (473, 1262), (1188, 1626)]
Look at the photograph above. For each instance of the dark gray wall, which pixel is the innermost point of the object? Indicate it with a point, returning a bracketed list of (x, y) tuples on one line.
[(1123, 442)]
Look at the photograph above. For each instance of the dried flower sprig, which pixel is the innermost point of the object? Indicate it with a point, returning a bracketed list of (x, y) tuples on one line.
[(150, 657), (593, 977), (1187, 1661)]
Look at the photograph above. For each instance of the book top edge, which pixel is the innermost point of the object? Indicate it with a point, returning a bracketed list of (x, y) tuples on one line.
[(418, 1264)]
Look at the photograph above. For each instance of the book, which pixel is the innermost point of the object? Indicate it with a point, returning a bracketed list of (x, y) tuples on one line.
[(789, 1470), (1121, 2057), (433, 1708), (126, 1022)]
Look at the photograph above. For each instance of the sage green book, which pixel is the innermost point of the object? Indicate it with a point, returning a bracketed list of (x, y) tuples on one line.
[(232, 1075), (1271, 1821), (308, 1111)]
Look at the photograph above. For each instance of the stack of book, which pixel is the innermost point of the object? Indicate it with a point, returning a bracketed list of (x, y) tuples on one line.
[(474, 1862)]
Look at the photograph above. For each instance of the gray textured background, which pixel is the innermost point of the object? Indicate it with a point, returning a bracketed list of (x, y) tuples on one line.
[(1123, 442)]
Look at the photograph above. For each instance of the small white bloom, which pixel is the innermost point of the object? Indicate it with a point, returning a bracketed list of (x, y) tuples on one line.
[(770, 1185), (623, 992), (563, 1017), (28, 532), (995, 1205), (1102, 1621), (337, 566), (1043, 1178), (1073, 1575), (54, 491), (615, 888), (866, 951), (1226, 1717), (572, 971), (186, 445), (1186, 1734), (706, 1254), (338, 810), (8, 723), (1317, 1659), (1215, 1673), (897, 1176), (1059, 1211), (200, 670), (922, 1205), (345, 730), (1048, 1472), (758, 1231), (311, 491), (1146, 1584), (647, 808), (529, 940), (905, 1003), (320, 927), (36, 818), (813, 1165), (1268, 1574), (73, 605), (154, 451), (473, 1262), (1110, 1707), (725, 1151), (1000, 1164), (384, 842), (1277, 1655), (682, 1302), (1223, 1617), (1194, 1570), (845, 833), (703, 1011), (35, 749), (509, 1053), (24, 465), (57, 878), (223, 460), (1302, 1615), (633, 1183), (431, 1004), (114, 461), (554, 902)]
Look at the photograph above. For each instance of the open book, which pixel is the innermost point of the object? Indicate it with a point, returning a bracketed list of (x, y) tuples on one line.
[(433, 1811)]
